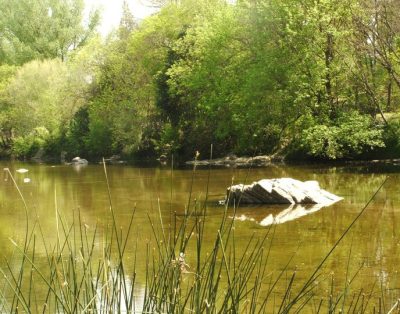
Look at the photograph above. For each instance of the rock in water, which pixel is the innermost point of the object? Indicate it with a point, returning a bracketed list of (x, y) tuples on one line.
[(79, 161), (281, 191), (22, 170)]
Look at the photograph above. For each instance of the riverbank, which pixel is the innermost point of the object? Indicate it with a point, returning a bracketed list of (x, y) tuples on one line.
[(267, 160), (228, 161), (235, 161)]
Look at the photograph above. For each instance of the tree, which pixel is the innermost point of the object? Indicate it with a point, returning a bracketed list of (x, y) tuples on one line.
[(6, 74), (32, 29), (376, 46), (125, 103), (34, 95), (127, 23)]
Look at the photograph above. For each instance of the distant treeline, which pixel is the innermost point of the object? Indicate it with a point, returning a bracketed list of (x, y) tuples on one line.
[(306, 79)]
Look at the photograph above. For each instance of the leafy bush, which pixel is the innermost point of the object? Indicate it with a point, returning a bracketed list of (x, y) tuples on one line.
[(99, 141), (27, 146), (349, 136), (166, 144), (391, 137)]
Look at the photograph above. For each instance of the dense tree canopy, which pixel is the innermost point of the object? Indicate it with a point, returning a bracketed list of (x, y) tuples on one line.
[(31, 29), (299, 78)]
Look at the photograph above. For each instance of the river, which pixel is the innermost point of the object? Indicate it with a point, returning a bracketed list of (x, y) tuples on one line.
[(372, 245)]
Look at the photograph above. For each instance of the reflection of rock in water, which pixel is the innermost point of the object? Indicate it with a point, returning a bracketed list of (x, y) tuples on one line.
[(293, 212), (79, 167)]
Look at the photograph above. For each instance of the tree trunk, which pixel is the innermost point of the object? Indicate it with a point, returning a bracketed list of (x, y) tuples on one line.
[(328, 62), (389, 95)]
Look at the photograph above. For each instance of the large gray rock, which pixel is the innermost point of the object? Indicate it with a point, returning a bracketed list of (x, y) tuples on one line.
[(281, 191), (78, 161)]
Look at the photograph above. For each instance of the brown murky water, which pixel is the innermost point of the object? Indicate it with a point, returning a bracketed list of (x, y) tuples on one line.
[(374, 241)]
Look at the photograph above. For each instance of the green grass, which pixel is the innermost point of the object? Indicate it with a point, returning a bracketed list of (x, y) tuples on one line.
[(80, 278)]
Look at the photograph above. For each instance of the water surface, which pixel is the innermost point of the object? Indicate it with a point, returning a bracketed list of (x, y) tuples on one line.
[(373, 241)]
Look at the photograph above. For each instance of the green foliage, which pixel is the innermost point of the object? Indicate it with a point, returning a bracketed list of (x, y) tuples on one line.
[(42, 29), (77, 133), (26, 146), (6, 74), (247, 77), (349, 136), (230, 81), (99, 141), (124, 105), (391, 138), (41, 94), (166, 144), (87, 136), (34, 96)]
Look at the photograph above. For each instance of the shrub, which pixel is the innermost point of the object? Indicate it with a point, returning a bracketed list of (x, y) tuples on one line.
[(391, 137), (27, 146), (349, 136)]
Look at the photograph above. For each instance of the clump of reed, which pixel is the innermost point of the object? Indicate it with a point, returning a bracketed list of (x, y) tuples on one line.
[(79, 278)]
